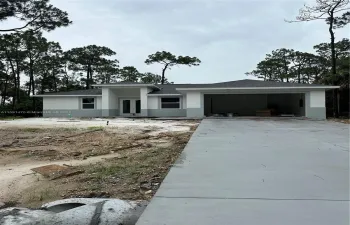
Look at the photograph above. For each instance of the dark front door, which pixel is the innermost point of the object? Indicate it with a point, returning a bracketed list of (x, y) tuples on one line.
[(126, 106), (138, 106)]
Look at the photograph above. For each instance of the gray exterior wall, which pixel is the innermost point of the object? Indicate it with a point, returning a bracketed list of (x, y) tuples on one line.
[(144, 112), (80, 113), (195, 112), (70, 106), (72, 113), (318, 113), (167, 112)]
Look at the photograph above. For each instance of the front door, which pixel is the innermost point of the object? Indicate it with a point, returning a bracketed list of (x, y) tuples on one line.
[(130, 107)]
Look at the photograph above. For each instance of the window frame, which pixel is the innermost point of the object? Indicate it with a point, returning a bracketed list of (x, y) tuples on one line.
[(179, 102), (82, 103)]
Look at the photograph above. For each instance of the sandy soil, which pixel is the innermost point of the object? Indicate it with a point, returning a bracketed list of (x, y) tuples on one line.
[(30, 143), (119, 123)]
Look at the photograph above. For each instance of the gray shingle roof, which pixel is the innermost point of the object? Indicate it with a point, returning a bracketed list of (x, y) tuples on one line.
[(78, 92), (125, 82), (260, 83), (171, 88)]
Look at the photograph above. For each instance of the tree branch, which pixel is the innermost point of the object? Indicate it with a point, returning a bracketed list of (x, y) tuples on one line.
[(310, 19), (341, 10), (20, 28)]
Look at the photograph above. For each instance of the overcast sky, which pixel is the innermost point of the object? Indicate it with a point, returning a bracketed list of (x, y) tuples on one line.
[(229, 36)]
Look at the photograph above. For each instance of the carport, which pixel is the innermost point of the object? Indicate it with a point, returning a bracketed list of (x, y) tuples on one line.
[(275, 104)]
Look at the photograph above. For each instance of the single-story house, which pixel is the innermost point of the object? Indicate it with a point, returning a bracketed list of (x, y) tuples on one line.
[(238, 98)]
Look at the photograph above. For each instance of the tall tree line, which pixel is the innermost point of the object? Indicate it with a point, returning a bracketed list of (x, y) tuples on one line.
[(30, 64), (289, 65), (329, 65), (45, 67)]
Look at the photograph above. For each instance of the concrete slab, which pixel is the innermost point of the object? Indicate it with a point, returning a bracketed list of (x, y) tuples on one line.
[(268, 171)]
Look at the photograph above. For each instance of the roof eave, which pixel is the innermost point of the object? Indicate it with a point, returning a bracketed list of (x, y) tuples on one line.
[(257, 88), (126, 85), (164, 95), (66, 95)]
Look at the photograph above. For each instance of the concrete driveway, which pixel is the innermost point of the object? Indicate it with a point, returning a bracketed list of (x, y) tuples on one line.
[(266, 172)]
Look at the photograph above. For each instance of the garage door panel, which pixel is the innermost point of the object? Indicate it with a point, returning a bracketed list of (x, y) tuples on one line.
[(248, 104), (240, 104)]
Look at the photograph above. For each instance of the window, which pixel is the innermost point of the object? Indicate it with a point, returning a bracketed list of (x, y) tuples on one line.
[(170, 103), (88, 103)]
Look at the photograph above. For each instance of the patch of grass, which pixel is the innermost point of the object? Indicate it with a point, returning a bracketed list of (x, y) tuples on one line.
[(95, 128), (68, 129), (9, 204), (122, 177), (11, 118), (25, 156), (139, 166), (31, 129), (128, 176), (340, 120), (44, 195)]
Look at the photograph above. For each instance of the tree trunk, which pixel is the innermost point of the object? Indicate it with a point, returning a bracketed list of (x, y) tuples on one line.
[(88, 77), (18, 89), (30, 86), (14, 97), (31, 82), (4, 94), (42, 85), (163, 73), (91, 80), (30, 75), (66, 77), (334, 65), (54, 79), (33, 93)]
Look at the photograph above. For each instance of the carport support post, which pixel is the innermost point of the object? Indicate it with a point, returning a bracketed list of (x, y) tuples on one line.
[(195, 105)]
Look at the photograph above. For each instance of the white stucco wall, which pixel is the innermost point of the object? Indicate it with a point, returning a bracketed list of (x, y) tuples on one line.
[(98, 103), (105, 98), (60, 103), (317, 98), (127, 92), (153, 102), (113, 103), (193, 100), (144, 97), (184, 102)]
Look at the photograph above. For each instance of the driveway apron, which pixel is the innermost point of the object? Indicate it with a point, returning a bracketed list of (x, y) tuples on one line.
[(257, 171)]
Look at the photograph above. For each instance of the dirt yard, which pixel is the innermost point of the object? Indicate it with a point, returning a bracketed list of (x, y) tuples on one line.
[(126, 159)]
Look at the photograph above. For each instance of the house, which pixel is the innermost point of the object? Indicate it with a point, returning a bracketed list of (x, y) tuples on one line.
[(241, 98)]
